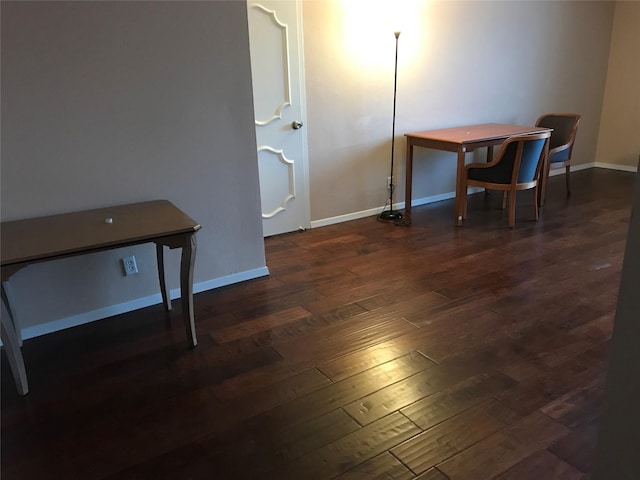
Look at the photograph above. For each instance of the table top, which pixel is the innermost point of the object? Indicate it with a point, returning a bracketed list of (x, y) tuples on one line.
[(67, 234), (476, 133)]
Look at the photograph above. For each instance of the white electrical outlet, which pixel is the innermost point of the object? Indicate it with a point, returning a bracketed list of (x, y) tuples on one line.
[(130, 266), (388, 183)]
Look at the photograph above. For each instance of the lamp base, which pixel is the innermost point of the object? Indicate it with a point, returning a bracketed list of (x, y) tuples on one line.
[(390, 215)]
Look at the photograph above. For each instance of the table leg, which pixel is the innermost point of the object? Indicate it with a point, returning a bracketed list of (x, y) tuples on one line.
[(489, 159), (545, 176), (186, 286), (14, 354), (408, 183), (166, 298), (7, 304), (459, 185)]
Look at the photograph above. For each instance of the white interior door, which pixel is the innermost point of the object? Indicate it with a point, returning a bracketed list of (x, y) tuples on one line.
[(275, 35)]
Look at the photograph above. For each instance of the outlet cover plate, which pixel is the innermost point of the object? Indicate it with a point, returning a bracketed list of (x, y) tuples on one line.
[(130, 266)]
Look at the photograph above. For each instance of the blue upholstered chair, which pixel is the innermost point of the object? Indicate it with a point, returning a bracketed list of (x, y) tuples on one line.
[(565, 126), (518, 166)]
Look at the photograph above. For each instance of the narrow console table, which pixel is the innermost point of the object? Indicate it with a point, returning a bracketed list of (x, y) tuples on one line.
[(24, 242)]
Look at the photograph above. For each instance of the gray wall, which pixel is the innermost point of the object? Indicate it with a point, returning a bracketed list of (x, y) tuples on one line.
[(106, 103)]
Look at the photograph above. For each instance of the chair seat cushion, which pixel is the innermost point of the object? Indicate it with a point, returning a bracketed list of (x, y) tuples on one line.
[(500, 173), (561, 156)]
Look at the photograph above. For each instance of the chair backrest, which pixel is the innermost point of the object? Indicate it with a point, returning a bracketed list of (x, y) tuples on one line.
[(521, 156), (565, 126), (530, 161)]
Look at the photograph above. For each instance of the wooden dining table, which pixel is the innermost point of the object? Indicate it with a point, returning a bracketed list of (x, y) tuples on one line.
[(41, 239), (459, 140)]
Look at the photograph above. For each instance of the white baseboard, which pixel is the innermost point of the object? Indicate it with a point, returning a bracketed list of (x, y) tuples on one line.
[(574, 168), (111, 310), (345, 218), (585, 166), (397, 206), (612, 166)]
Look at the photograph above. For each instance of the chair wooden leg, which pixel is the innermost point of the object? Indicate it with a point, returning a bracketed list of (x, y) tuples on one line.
[(566, 176), (545, 180), (512, 208), (535, 202)]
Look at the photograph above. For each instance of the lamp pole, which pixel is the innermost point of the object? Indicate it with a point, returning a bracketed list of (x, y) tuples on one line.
[(392, 214)]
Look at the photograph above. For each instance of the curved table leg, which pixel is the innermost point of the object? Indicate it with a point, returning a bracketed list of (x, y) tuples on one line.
[(5, 300), (14, 354), (188, 244), (166, 299), (186, 287)]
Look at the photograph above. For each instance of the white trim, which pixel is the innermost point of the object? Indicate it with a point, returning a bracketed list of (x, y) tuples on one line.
[(345, 218), (585, 166), (438, 198), (574, 168), (111, 310), (612, 166), (305, 196), (375, 211), (226, 280)]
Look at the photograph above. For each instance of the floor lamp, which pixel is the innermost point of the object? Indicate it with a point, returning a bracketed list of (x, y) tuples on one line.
[(392, 214)]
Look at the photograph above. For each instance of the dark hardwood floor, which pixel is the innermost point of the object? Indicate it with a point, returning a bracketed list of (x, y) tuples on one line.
[(372, 351)]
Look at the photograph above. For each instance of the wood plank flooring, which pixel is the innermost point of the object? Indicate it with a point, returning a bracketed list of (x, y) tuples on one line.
[(372, 351)]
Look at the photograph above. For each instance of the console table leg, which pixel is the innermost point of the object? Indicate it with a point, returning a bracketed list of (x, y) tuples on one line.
[(14, 354), (14, 322), (408, 183), (459, 186), (166, 299), (186, 287)]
